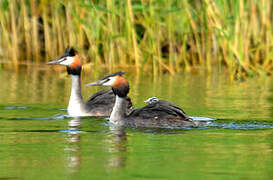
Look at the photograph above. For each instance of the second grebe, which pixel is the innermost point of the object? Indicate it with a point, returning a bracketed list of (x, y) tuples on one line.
[(100, 104), (158, 114)]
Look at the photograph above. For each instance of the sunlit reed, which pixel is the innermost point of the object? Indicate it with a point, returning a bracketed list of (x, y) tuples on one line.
[(155, 36)]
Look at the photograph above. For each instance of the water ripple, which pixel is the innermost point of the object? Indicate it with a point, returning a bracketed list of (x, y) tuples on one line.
[(16, 107), (218, 124), (244, 126), (196, 118), (56, 117), (71, 131)]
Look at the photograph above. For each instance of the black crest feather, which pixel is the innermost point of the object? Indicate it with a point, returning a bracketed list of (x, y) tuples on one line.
[(69, 52), (114, 74)]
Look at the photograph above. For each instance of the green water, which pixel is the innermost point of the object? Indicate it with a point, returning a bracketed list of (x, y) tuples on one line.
[(38, 142)]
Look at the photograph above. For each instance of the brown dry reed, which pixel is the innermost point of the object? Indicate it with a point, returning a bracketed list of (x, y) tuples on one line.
[(156, 36)]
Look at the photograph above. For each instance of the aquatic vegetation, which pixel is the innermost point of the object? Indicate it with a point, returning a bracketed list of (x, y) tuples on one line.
[(153, 36)]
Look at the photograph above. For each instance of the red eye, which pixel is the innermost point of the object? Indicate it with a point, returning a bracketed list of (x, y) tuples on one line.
[(107, 80)]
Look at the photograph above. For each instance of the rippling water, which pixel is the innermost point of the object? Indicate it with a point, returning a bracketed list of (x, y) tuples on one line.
[(39, 141)]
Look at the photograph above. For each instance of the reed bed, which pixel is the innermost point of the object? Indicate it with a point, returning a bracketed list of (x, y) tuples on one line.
[(156, 36)]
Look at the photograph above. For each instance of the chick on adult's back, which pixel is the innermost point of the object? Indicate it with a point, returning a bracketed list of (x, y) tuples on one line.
[(157, 114)]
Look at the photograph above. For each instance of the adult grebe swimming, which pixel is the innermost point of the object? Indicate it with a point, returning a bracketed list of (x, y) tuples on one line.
[(157, 114), (100, 104)]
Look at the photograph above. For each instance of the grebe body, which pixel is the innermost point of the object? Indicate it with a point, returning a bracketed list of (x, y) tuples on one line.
[(157, 114)]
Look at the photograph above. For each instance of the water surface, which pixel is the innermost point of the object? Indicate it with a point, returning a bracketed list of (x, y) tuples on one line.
[(37, 140)]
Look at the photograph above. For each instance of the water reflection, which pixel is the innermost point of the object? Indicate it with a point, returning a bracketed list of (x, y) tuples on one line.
[(243, 134), (198, 94), (116, 144), (73, 148)]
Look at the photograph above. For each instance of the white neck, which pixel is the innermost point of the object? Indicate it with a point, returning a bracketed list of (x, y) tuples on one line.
[(76, 104), (118, 113)]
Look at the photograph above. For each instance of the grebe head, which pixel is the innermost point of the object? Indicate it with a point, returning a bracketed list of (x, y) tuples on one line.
[(119, 84), (70, 59), (151, 100)]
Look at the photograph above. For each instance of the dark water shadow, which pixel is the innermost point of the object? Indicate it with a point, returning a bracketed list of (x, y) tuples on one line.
[(5, 178)]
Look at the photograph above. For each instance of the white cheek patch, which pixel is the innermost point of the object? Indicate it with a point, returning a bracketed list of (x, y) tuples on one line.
[(68, 61), (110, 82)]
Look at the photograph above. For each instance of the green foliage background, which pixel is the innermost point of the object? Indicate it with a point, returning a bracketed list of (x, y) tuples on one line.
[(149, 35)]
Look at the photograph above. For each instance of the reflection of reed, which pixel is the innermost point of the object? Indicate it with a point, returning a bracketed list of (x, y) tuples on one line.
[(73, 149), (42, 85), (117, 145)]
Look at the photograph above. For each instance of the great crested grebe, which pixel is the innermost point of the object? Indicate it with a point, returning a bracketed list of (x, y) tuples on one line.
[(157, 114), (100, 104)]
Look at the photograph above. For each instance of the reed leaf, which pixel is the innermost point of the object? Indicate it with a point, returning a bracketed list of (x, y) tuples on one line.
[(157, 36)]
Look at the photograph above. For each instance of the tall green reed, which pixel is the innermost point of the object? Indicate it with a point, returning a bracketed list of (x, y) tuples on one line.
[(154, 36)]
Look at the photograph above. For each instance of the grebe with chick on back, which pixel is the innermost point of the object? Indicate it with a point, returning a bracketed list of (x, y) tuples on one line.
[(157, 114), (100, 104)]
